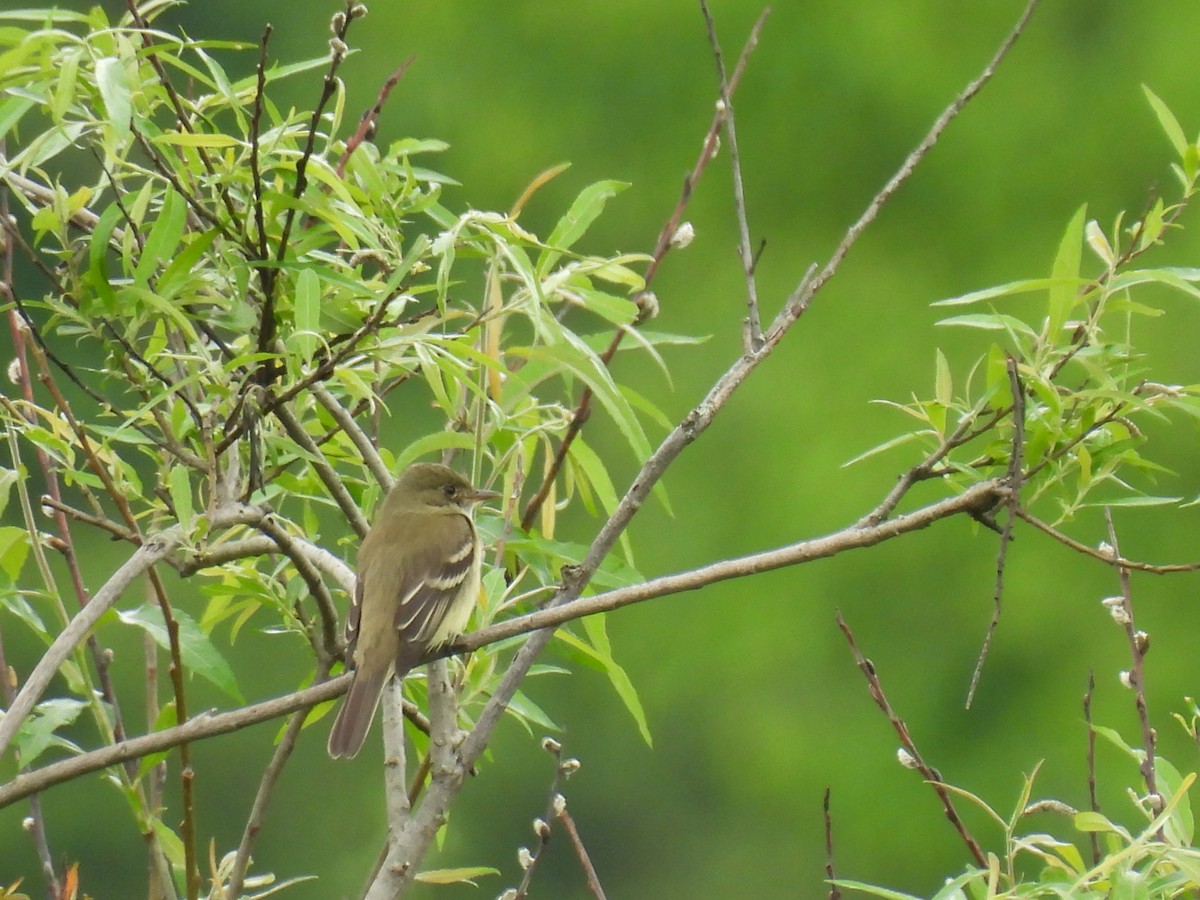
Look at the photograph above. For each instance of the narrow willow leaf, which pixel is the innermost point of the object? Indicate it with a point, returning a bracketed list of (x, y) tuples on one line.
[(1064, 289), (943, 381), (463, 875), (601, 651), (164, 236), (306, 314), (576, 221), (1012, 288), (116, 96), (180, 490), (1166, 119), (196, 139)]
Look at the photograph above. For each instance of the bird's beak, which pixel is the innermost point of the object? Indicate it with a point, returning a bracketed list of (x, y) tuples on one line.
[(479, 496)]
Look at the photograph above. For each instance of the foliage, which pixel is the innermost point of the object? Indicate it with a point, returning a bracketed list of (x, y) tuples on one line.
[(254, 304)]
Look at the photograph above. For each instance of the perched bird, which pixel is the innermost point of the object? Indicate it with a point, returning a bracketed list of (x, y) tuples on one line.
[(418, 579)]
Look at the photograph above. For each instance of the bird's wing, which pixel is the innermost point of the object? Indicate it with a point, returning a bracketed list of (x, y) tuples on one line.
[(429, 590)]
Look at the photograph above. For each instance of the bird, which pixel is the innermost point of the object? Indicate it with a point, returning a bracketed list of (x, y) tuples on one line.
[(418, 580)]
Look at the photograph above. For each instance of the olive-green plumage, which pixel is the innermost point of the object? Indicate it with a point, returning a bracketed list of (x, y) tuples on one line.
[(418, 579)]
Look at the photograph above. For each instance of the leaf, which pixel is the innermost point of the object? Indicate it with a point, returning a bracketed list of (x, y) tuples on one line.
[(1026, 286), (164, 237), (192, 139), (462, 875), (601, 651), (599, 381), (37, 733), (572, 226), (1064, 287), (14, 549), (307, 314), (180, 489), (115, 94), (943, 381), (1166, 119), (200, 655)]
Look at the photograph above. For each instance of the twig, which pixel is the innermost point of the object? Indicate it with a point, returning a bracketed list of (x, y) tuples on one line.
[(330, 478), (913, 758), (362, 443), (316, 587), (370, 119), (976, 499), (1013, 479), (583, 408), (981, 496), (262, 798), (1139, 642), (1068, 541), (1093, 800), (748, 256), (830, 873)]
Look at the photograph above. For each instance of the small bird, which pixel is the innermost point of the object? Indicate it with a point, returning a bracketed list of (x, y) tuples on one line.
[(418, 579)]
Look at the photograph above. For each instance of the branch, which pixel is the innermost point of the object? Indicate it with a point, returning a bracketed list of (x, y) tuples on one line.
[(749, 261), (204, 725), (978, 498), (912, 758), (708, 150), (974, 501), (155, 549)]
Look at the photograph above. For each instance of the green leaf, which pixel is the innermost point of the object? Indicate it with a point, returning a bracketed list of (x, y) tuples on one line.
[(192, 139), (1089, 821), (1170, 125), (37, 733), (181, 495), (307, 314), (601, 651), (599, 381), (462, 875), (1064, 289), (164, 237), (14, 549), (1026, 286), (200, 655), (943, 390), (169, 841), (572, 226), (115, 94)]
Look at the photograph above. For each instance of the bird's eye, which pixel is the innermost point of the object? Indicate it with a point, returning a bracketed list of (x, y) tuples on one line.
[(450, 490)]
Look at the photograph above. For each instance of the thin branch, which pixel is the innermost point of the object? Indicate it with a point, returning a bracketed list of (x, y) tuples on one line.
[(708, 150), (1013, 478), (1139, 642), (1093, 799), (830, 872), (1067, 541), (154, 549), (913, 758), (980, 497), (975, 500), (199, 727), (801, 298), (370, 119), (270, 777), (332, 481), (745, 252), (362, 443)]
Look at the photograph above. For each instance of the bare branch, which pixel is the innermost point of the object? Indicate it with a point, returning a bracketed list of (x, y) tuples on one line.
[(913, 757), (154, 549), (745, 252)]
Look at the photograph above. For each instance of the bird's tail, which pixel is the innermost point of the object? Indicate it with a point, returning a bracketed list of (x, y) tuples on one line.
[(354, 718)]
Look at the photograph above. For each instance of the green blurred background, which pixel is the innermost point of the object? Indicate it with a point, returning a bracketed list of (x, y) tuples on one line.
[(751, 693)]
